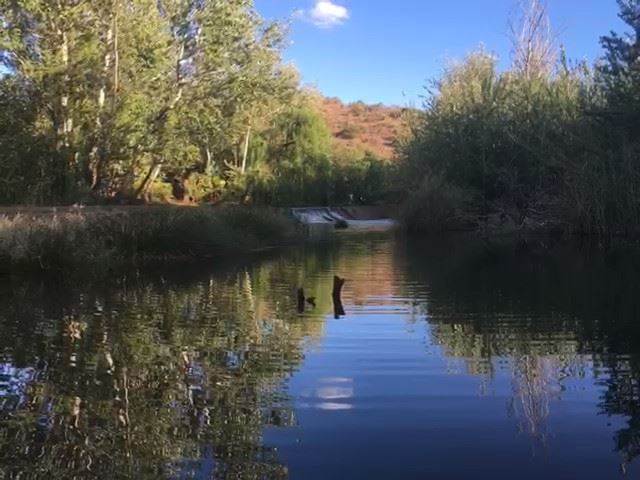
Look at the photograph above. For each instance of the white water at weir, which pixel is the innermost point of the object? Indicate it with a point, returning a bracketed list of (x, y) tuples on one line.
[(360, 218)]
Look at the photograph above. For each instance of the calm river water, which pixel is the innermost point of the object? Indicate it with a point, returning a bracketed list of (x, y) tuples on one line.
[(454, 360)]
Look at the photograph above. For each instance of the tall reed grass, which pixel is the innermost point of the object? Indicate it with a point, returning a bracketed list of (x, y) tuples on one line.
[(109, 237)]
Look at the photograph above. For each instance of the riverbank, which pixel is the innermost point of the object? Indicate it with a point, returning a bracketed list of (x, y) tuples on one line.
[(59, 239)]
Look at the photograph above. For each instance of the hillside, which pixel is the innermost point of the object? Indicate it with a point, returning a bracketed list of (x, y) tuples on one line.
[(364, 128)]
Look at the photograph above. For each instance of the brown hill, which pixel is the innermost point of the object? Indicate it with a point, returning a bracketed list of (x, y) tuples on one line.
[(361, 128)]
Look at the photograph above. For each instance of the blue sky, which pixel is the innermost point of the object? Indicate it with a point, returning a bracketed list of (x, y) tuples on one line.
[(385, 51)]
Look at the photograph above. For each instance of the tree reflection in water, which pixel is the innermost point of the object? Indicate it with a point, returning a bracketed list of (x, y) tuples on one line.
[(148, 380), (159, 376), (552, 311), (169, 374)]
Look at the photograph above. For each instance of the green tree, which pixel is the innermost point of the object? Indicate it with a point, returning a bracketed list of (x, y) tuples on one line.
[(620, 70), (123, 90)]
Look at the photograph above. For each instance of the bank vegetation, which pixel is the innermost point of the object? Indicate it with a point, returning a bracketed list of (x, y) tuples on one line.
[(546, 145), (140, 101), (105, 239)]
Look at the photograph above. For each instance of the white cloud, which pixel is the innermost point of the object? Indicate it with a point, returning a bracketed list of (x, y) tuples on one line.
[(327, 14)]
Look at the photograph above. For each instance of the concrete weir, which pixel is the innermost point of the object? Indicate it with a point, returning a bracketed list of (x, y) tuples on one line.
[(355, 218)]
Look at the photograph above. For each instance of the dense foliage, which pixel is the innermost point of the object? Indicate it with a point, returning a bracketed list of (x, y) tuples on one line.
[(136, 99), (541, 143)]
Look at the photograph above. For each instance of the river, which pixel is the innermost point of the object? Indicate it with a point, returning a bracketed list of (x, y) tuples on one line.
[(454, 359)]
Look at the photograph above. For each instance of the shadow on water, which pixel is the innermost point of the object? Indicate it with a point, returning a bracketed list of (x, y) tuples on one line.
[(554, 309), (177, 373)]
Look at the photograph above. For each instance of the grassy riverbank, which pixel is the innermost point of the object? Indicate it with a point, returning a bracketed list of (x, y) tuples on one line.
[(103, 237)]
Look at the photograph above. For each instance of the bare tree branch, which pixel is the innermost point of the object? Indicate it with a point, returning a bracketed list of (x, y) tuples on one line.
[(534, 46)]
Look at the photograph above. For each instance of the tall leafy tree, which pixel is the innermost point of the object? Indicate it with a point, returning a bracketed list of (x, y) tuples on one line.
[(50, 47), (620, 70), (125, 89)]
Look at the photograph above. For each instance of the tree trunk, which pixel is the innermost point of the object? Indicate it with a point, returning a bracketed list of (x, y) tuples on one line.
[(180, 189), (65, 124), (116, 54), (245, 152), (160, 120), (151, 176), (207, 160), (97, 154), (62, 122)]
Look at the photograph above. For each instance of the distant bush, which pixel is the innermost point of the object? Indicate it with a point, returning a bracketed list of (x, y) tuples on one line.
[(436, 206), (300, 167), (358, 108), (324, 181), (349, 132), (509, 138)]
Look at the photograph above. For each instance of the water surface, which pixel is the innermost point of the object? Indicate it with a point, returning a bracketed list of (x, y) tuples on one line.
[(455, 359)]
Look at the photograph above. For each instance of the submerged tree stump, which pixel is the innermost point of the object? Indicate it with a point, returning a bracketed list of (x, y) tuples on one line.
[(301, 300), (338, 309)]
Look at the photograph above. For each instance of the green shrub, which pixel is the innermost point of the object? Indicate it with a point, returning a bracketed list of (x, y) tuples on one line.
[(601, 192), (436, 206), (510, 138)]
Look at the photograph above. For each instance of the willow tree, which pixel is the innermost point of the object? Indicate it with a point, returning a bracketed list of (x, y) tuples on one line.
[(50, 47), (227, 78), (91, 70), (242, 84), (123, 89)]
